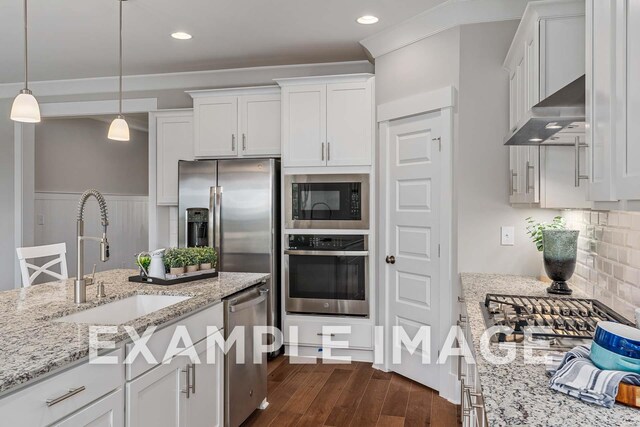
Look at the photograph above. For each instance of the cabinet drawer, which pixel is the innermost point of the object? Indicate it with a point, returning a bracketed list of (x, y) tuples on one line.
[(196, 326), (106, 412), (28, 407), (311, 331)]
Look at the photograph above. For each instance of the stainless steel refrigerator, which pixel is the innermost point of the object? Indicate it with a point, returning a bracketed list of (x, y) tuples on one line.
[(234, 206)]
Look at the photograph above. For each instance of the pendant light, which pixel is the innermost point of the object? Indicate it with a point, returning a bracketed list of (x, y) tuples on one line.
[(119, 129), (25, 107)]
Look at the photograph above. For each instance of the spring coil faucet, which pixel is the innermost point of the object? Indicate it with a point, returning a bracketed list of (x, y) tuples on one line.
[(81, 282)]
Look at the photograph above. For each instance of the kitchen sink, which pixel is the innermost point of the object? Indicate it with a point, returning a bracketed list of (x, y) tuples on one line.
[(124, 310)]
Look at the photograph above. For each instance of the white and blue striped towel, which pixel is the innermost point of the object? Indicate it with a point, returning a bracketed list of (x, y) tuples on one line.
[(577, 376)]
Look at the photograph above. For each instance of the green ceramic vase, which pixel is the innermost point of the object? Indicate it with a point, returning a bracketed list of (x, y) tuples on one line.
[(560, 256)]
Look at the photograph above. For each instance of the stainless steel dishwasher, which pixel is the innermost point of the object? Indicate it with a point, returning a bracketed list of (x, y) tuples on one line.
[(245, 383)]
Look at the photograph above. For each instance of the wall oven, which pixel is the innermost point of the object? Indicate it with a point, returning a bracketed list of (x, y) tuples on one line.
[(327, 201), (327, 274)]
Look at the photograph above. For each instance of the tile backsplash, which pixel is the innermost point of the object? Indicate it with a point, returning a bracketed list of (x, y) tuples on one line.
[(608, 266)]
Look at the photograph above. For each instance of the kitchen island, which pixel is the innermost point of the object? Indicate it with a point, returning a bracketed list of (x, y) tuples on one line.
[(517, 393), (33, 344)]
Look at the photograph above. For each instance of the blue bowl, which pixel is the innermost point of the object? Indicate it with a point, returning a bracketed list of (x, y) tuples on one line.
[(618, 338), (608, 360)]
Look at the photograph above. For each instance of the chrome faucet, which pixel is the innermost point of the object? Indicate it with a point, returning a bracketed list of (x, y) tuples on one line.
[(81, 282)]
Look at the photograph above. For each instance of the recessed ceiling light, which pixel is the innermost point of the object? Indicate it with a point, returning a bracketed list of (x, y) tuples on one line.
[(367, 20), (553, 125), (535, 139), (181, 35)]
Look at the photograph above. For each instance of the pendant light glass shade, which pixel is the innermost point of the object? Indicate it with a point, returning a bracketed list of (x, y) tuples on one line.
[(25, 108), (119, 129)]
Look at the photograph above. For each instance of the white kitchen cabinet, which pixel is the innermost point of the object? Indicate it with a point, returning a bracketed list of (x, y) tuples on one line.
[(205, 406), (327, 121), (237, 122), (174, 142), (106, 412), (158, 398), (524, 174), (546, 54)]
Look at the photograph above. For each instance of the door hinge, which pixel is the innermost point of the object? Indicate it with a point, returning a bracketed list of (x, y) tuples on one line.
[(439, 139)]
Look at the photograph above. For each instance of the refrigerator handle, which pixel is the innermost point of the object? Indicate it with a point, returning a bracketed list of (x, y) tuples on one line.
[(212, 218), (218, 224)]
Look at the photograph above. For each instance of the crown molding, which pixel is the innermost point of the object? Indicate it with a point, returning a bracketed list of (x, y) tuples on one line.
[(184, 80), (447, 15), (235, 91), (340, 78)]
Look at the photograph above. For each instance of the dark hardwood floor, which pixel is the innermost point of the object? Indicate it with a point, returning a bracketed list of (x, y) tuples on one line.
[(348, 395)]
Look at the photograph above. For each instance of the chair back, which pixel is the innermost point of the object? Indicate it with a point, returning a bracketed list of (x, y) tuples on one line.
[(34, 252)]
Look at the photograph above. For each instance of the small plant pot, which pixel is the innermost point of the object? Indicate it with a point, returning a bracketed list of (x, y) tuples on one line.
[(192, 268), (175, 271), (206, 266)]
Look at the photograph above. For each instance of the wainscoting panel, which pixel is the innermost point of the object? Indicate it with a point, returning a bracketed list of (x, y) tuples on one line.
[(55, 222)]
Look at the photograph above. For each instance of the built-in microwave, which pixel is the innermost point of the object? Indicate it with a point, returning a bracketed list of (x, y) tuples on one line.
[(327, 201)]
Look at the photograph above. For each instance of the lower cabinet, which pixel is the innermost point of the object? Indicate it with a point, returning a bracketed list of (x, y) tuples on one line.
[(106, 412), (182, 392), (471, 400)]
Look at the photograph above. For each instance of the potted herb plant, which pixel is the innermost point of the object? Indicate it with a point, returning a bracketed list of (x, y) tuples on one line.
[(174, 261), (208, 257), (191, 259)]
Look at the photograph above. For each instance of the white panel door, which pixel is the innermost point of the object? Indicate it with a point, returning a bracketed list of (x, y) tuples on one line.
[(628, 98), (413, 179), (304, 125), (155, 399), (560, 61), (174, 142), (106, 412), (216, 126), (205, 406), (349, 124), (260, 125)]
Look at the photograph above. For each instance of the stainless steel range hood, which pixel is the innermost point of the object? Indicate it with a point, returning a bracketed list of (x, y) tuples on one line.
[(556, 120)]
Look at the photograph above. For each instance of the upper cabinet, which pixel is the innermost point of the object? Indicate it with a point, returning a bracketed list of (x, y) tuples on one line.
[(546, 54), (327, 121), (174, 142), (236, 122), (613, 100)]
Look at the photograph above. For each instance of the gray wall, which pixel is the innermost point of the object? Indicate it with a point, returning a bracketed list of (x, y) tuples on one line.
[(7, 248), (482, 159), (72, 155)]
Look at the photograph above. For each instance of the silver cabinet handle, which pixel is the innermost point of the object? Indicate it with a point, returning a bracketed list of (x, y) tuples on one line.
[(244, 142), (528, 182), (322, 152), (190, 388), (328, 151), (237, 307), (325, 335), (512, 187), (460, 299), (70, 393), (233, 142), (193, 378), (579, 176)]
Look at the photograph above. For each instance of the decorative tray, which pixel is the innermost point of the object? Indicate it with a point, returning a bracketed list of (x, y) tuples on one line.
[(173, 279)]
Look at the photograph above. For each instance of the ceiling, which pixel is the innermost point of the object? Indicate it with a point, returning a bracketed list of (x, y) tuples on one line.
[(78, 38)]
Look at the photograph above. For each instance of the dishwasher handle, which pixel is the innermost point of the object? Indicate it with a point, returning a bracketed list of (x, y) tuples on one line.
[(251, 303)]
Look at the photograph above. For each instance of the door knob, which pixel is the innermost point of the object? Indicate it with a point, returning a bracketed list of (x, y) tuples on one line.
[(390, 259)]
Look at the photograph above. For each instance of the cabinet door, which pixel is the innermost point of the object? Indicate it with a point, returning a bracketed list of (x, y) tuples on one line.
[(304, 125), (533, 70), (514, 195), (260, 125), (521, 101), (513, 101), (155, 399), (106, 412), (531, 172), (216, 126), (205, 406), (627, 100), (562, 53), (349, 124), (557, 179), (174, 137)]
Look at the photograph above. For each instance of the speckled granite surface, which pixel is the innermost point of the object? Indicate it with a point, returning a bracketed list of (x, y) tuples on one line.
[(32, 344), (518, 393)]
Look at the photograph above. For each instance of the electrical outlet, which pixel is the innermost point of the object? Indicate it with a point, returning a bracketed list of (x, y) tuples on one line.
[(507, 235)]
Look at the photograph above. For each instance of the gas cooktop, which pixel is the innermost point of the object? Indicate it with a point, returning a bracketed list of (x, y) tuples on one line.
[(559, 322)]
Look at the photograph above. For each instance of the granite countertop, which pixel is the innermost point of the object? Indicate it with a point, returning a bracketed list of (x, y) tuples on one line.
[(32, 344), (519, 393)]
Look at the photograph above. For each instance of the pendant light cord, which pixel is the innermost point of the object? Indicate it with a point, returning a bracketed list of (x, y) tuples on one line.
[(26, 49), (120, 101)]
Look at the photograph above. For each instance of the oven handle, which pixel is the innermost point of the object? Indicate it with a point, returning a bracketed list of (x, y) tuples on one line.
[(326, 253)]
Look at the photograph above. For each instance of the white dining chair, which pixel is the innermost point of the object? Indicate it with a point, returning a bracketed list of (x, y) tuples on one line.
[(58, 249)]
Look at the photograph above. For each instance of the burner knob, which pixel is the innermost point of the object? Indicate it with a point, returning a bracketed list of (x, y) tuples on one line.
[(390, 259)]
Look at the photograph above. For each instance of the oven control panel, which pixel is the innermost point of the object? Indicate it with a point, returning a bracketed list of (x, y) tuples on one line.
[(327, 242)]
